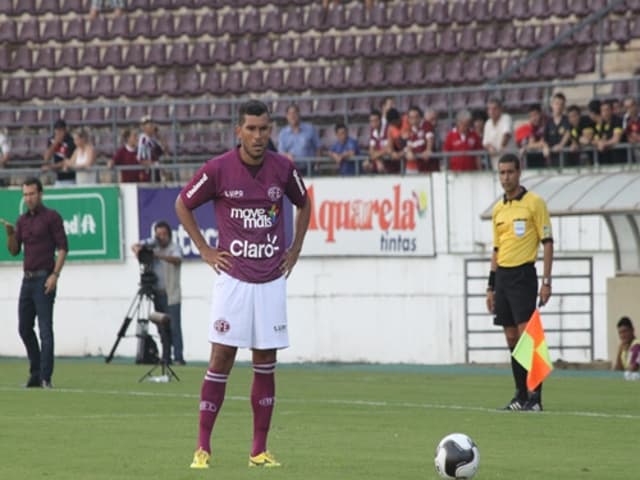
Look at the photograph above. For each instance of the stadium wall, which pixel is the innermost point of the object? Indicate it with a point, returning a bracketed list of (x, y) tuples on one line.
[(341, 308)]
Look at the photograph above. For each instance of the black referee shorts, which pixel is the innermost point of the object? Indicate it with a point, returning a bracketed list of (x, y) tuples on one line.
[(516, 294)]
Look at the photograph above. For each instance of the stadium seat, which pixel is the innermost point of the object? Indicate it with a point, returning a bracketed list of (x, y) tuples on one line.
[(273, 22), (274, 80), (437, 102), (212, 83), (28, 7), (222, 52), (73, 116), (139, 5), (620, 31), (356, 17), (190, 83), (8, 31), (513, 98), (467, 42), (420, 14), (168, 84), (477, 100), (182, 112), (22, 58), (141, 27), (113, 57), (305, 50), (440, 12), (584, 36), (201, 111), (127, 86), (567, 64), (75, 29), (38, 88), (620, 89), (454, 70), (407, 44), (387, 46), (61, 88), (136, 112), (98, 28), (415, 72), (506, 38), (68, 58), (251, 23), (356, 77), (295, 20), (473, 69), (186, 25), (324, 108), (500, 11), (120, 27), (549, 65), (487, 38), (336, 77), (7, 117), (435, 72), (243, 51), (526, 37), (586, 61), (315, 19), (200, 54), (346, 47), (45, 59), (491, 68), (458, 101), (295, 79), (326, 47), (230, 23), (395, 75), (208, 25), (30, 31), (360, 106), (254, 82), (104, 87), (378, 15), (428, 42), (546, 34), (520, 9), (71, 6), (179, 55), (163, 27), (531, 71), (233, 82), (539, 9), (6, 7), (367, 46), (532, 96), (315, 78), (221, 111), (559, 8), (399, 15), (448, 41), (336, 18), (480, 11), (263, 49), (5, 59), (633, 5), (460, 12), (306, 107), (634, 30), (82, 87)]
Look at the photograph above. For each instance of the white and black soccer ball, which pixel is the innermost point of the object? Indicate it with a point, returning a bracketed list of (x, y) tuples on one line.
[(457, 456)]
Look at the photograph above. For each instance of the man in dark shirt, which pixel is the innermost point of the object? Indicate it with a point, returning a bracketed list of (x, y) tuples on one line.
[(60, 147), (608, 134), (556, 132), (533, 144), (581, 136), (42, 233)]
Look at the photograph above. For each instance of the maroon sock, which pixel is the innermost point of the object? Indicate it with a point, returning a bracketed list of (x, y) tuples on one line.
[(263, 397), (211, 398)]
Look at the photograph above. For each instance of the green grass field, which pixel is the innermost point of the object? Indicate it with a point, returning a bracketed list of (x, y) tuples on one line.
[(331, 422)]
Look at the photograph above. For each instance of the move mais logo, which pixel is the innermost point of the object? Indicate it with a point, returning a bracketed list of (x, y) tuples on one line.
[(396, 212)]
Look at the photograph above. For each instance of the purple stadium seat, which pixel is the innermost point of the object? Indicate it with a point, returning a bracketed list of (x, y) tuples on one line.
[(127, 86), (520, 9), (346, 47), (46, 59), (254, 82), (620, 89), (526, 37), (559, 8), (454, 70), (263, 49), (120, 27), (408, 43), (513, 98), (190, 84), (38, 88), (68, 58), (480, 11), (306, 107), (186, 25), (72, 6), (506, 37), (104, 87), (138, 5), (360, 106), (324, 108), (274, 80), (113, 57), (160, 113), (420, 14), (273, 22), (546, 34), (448, 41), (135, 56), (531, 71), (295, 79), (315, 78), (620, 31), (166, 4), (584, 36), (5, 59), (208, 25), (221, 111), (567, 64), (60, 88), (73, 115), (473, 69), (579, 8), (367, 46), (222, 52), (315, 18), (6, 6), (586, 61), (82, 87), (459, 100), (336, 18), (52, 30), (169, 84), (500, 11), (200, 54), (251, 22), (460, 12), (491, 68), (539, 9), (7, 118), (8, 31), (415, 73), (295, 20), (387, 46), (357, 75), (395, 75), (437, 102), (136, 112), (477, 100), (233, 82), (212, 82), (163, 27), (336, 77), (428, 42), (605, 32), (440, 12), (468, 40), (532, 95), (230, 23), (634, 29), (633, 5), (75, 29), (244, 51), (356, 16), (147, 85), (30, 31), (399, 15), (22, 58), (306, 48), (98, 28), (182, 112), (375, 75), (179, 55), (141, 27), (487, 38), (378, 15)]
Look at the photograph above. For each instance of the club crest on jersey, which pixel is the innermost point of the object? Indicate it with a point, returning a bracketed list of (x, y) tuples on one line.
[(221, 326), (274, 193)]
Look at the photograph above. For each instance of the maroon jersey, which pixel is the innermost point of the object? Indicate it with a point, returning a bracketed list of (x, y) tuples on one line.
[(378, 138), (41, 232), (632, 129), (248, 210)]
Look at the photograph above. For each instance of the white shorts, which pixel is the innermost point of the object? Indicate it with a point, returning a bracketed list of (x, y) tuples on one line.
[(249, 315)]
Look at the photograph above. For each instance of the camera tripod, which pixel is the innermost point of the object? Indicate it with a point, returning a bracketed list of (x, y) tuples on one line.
[(141, 309)]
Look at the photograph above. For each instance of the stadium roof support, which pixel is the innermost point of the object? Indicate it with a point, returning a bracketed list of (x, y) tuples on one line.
[(615, 196)]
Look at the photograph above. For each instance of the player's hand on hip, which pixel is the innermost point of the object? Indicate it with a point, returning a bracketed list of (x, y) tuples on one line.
[(490, 301), (289, 261), (545, 294), (218, 259)]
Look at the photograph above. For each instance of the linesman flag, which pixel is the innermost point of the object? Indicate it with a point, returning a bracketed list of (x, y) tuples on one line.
[(532, 352)]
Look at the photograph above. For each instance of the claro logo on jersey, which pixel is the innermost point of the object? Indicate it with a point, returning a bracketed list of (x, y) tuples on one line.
[(246, 249), (256, 217), (196, 186)]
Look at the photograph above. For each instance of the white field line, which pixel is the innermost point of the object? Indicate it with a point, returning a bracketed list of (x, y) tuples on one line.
[(350, 403)]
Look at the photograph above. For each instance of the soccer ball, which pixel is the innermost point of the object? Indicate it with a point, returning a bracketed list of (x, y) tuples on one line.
[(457, 456)]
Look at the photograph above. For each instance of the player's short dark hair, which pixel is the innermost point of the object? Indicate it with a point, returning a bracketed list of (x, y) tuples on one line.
[(60, 124), (126, 133), (594, 106), (560, 95), (573, 108), (496, 101), (376, 112), (163, 224), (510, 158), (33, 181), (415, 108), (479, 115), (340, 126), (393, 115), (625, 322), (535, 108), (255, 108)]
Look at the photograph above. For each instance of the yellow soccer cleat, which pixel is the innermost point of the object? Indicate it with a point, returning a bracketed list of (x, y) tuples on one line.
[(200, 459), (264, 459)]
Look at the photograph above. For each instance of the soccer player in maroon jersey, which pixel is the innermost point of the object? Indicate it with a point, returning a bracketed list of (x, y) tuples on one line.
[(247, 185)]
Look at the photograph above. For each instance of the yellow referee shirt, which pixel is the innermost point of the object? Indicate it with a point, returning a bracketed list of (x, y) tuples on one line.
[(519, 225)]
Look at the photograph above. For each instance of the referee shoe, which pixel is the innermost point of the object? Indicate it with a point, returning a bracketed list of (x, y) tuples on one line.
[(514, 405)]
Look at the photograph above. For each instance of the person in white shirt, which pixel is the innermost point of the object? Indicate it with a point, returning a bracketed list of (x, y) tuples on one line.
[(498, 132), (83, 158), (5, 152)]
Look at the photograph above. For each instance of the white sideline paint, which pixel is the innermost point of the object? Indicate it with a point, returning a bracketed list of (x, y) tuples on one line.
[(347, 403)]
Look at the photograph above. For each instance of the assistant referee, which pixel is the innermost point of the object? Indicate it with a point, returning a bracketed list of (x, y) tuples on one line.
[(520, 223)]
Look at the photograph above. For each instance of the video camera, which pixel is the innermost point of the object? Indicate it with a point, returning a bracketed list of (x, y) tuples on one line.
[(148, 278)]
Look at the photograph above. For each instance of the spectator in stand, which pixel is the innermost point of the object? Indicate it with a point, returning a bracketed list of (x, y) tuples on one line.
[(377, 143), (608, 135), (395, 142), (83, 158), (127, 155), (631, 121), (498, 131), (463, 138), (5, 153), (419, 146), (581, 136), (343, 150), (628, 357), (59, 150), (97, 6), (556, 132), (298, 140), (429, 126), (532, 145), (387, 104), (478, 119), (150, 147), (616, 107)]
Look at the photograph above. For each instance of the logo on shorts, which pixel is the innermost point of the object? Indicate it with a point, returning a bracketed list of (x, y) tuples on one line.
[(279, 328), (275, 193), (221, 326), (267, 401)]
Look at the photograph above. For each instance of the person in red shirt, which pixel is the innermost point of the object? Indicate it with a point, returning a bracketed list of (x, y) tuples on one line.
[(377, 143), (418, 147), (429, 128), (631, 120), (395, 142), (127, 154), (462, 138)]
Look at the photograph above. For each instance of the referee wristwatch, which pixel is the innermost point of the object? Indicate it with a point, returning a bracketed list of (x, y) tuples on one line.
[(546, 281)]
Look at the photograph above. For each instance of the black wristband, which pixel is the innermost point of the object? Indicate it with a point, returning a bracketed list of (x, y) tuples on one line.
[(491, 282)]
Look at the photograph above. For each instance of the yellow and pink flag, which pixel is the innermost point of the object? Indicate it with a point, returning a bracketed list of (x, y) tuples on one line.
[(532, 352)]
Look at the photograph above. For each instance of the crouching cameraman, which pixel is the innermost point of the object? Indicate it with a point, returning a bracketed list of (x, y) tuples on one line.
[(167, 260)]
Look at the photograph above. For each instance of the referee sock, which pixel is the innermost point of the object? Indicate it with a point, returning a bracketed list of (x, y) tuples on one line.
[(263, 398), (211, 398), (520, 379)]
